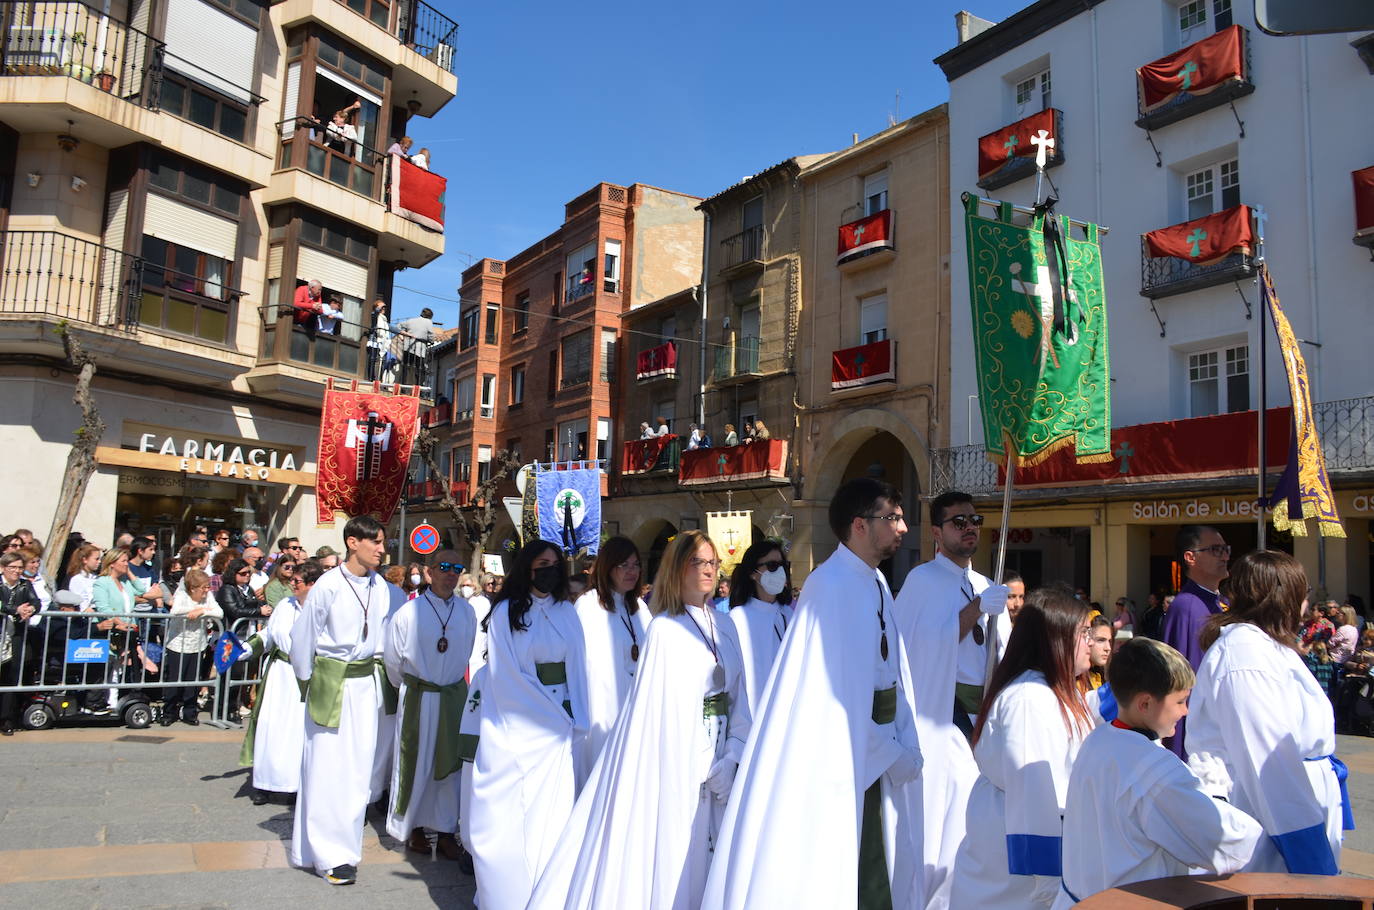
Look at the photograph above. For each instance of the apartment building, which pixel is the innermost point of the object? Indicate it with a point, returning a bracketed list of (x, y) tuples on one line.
[(167, 182)]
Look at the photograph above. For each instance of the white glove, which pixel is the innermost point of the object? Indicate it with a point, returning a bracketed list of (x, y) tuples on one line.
[(1211, 773), (721, 778), (906, 768), (247, 653), (993, 600)]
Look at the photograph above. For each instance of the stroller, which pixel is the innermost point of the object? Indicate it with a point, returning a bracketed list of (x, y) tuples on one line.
[(88, 660), (1355, 705)]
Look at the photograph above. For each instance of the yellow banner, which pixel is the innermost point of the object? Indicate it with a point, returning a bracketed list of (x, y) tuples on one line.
[(732, 533)]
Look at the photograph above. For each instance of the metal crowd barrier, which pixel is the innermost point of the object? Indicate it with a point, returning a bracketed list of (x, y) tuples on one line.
[(70, 669)]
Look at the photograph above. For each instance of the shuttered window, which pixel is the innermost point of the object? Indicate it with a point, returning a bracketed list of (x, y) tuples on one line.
[(331, 271), (176, 222), (211, 47)]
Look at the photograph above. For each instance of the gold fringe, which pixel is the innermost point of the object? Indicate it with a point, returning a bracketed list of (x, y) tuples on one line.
[(1030, 461)]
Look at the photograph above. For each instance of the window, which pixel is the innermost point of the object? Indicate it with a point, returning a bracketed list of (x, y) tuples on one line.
[(185, 291), (581, 272), (873, 319), (377, 10), (198, 185), (603, 439), (337, 236), (1192, 20), (667, 329), (462, 465), (875, 193), (351, 62), (483, 464), (572, 440), (667, 409), (577, 359), (183, 98), (553, 373), (522, 313), (1200, 188), (513, 447), (1033, 94), (517, 385), (612, 267), (493, 322), (557, 290), (488, 395), (467, 328), (1212, 391), (462, 400), (608, 355), (751, 215)]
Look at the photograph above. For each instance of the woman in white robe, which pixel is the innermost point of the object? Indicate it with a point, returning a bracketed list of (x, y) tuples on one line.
[(644, 829), (1032, 722), (614, 623), (1258, 708), (531, 745), (469, 732), (760, 610)]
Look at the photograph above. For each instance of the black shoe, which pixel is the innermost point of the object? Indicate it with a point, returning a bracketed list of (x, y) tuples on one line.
[(191, 721), (464, 860), (342, 875), (259, 797), (167, 720)]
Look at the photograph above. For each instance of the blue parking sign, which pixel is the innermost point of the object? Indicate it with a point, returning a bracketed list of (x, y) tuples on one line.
[(88, 651)]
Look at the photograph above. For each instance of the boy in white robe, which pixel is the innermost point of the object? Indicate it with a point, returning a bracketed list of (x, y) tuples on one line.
[(1134, 811), (427, 649), (334, 644)]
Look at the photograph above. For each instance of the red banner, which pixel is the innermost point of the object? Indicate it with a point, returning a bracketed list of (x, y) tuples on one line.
[(765, 459), (1014, 141), (365, 441), (1364, 199), (641, 455), (417, 194), (1199, 68), (871, 233), (1195, 449), (865, 365), (1204, 240), (657, 361)]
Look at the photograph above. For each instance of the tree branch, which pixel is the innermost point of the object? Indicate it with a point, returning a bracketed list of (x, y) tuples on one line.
[(81, 456), (478, 518)]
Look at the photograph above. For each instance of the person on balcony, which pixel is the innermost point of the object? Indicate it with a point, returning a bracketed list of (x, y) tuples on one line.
[(381, 363), (340, 134), (419, 332), (421, 158), (306, 304), (645, 431), (330, 312), (731, 437), (760, 431), (401, 147), (663, 429), (694, 438)]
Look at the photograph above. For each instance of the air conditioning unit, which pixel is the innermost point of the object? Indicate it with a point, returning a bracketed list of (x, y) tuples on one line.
[(442, 56), (35, 48)]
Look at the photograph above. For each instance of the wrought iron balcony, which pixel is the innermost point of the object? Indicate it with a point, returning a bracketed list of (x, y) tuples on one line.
[(348, 350), (738, 361), (1346, 426), (59, 277), (432, 490), (1165, 276), (742, 248)]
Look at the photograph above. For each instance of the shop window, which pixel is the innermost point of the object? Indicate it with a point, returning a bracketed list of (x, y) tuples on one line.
[(185, 291)]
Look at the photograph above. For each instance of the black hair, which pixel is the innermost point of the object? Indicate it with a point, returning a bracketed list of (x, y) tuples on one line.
[(517, 585), (141, 543), (231, 571), (1188, 538), (940, 504), (309, 571), (855, 499), (283, 542), (742, 587), (361, 527), (1009, 576)]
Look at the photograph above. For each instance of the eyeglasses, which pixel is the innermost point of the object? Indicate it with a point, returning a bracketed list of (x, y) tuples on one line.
[(697, 562), (1086, 634), (449, 566), (628, 567), (963, 521), (772, 565), (1219, 550), (891, 516)]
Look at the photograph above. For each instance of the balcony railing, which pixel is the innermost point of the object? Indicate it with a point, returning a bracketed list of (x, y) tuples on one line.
[(72, 39), (431, 490), (403, 359), (1165, 276), (740, 360), (438, 415), (186, 304), (307, 145), (1346, 426), (746, 246), (55, 275), (428, 32), (1186, 104), (650, 456), (580, 285)]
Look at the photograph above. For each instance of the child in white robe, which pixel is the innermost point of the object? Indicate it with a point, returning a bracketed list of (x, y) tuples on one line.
[(1031, 725), (1134, 811)]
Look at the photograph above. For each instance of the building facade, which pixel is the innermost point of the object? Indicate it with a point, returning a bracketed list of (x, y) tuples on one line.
[(1276, 137), (166, 208)]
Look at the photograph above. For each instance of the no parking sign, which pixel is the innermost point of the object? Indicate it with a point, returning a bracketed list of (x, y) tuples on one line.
[(424, 539)]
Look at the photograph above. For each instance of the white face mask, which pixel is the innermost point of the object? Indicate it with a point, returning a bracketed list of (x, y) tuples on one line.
[(466, 590), (773, 582), (415, 579)]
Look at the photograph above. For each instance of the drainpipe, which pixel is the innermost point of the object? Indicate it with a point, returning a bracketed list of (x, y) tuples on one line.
[(701, 298)]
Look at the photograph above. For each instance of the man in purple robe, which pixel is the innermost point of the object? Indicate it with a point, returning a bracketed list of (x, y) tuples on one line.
[(1205, 555)]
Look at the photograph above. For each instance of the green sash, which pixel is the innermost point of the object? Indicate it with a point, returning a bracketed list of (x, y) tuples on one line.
[(447, 749), (250, 731), (323, 691), (970, 698), (391, 696), (717, 705), (554, 674), (467, 747), (875, 891)]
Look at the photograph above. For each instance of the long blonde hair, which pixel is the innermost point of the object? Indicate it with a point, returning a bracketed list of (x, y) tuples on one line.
[(667, 597)]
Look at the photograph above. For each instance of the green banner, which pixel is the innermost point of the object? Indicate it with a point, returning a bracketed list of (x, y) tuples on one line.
[(1039, 336)]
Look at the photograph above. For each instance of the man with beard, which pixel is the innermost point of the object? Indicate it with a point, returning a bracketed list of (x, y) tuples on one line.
[(942, 616)]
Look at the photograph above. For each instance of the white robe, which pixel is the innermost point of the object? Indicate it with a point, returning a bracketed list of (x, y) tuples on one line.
[(1135, 813), (790, 836), (471, 725), (279, 735), (529, 758), (610, 668), (336, 763), (1258, 708), (481, 606), (760, 627), (412, 648), (640, 837), (1011, 860), (927, 613)]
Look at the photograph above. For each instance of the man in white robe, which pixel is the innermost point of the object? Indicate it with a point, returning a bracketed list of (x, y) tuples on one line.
[(427, 649), (334, 644), (821, 814), (942, 614)]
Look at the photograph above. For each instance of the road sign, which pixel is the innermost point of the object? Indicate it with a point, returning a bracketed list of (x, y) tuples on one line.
[(424, 539)]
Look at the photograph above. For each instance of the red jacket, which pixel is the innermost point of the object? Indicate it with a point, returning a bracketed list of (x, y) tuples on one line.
[(305, 305)]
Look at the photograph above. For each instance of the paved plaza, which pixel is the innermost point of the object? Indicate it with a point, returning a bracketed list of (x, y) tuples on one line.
[(160, 818)]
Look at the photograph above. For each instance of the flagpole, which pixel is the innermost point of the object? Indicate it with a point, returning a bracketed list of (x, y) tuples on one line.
[(1261, 459)]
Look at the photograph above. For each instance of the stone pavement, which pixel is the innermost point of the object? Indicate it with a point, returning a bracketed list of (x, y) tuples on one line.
[(160, 818)]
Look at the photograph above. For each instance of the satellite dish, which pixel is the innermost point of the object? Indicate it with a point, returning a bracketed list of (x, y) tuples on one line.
[(521, 476)]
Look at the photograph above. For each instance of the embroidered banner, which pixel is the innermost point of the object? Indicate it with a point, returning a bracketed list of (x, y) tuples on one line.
[(864, 365), (366, 436), (1204, 240), (570, 507), (417, 194), (657, 361), (765, 460), (998, 149), (732, 532), (865, 235), (1199, 68), (643, 455)]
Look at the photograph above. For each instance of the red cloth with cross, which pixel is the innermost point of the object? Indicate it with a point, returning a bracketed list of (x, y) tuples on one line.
[(1204, 240), (1201, 67), (764, 459), (1014, 141)]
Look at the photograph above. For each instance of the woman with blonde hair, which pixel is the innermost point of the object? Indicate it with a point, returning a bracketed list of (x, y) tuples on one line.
[(643, 831), (81, 571)]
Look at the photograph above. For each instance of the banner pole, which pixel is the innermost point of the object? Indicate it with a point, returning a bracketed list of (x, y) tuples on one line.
[(1001, 562), (1261, 461)]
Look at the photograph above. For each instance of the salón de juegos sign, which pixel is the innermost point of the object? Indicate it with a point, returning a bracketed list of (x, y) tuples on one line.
[(211, 458)]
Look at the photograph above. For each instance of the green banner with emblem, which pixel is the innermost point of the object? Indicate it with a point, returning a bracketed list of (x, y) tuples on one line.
[(1039, 334)]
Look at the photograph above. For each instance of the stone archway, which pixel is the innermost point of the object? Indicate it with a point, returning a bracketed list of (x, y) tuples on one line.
[(652, 539)]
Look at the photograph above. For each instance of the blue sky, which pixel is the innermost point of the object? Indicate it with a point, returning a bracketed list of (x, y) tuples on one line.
[(553, 98)]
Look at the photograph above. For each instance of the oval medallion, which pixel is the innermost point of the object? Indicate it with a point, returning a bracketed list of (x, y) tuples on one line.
[(718, 677), (634, 653), (443, 644), (882, 646), (978, 636)]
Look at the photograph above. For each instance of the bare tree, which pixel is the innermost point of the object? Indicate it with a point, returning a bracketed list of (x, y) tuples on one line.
[(477, 520), (81, 456)]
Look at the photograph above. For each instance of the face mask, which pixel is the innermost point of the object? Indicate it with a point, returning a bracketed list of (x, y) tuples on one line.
[(773, 582), (28, 574), (466, 590), (545, 578), (415, 579)]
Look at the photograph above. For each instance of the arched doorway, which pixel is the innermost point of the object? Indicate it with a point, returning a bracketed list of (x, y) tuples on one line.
[(652, 539)]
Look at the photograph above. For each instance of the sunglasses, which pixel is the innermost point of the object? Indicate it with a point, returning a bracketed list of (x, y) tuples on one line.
[(963, 521), (772, 565), (449, 566)]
